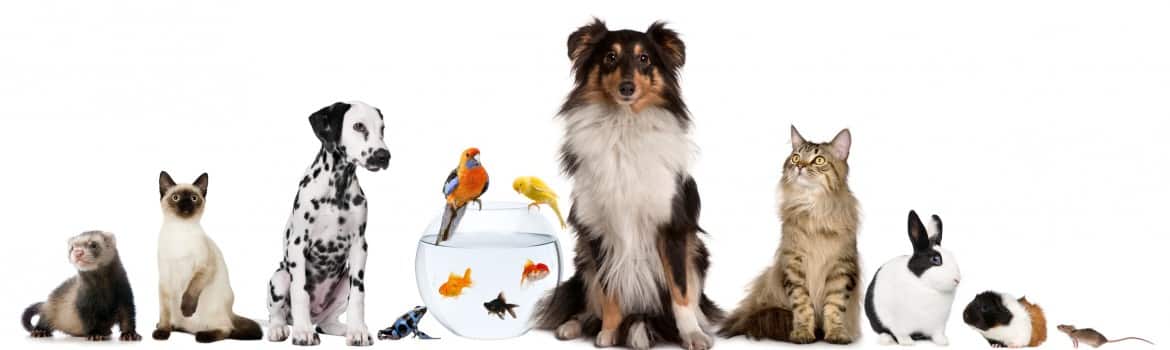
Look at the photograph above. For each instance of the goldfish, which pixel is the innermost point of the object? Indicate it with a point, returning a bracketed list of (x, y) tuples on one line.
[(533, 272), (454, 286), (499, 306)]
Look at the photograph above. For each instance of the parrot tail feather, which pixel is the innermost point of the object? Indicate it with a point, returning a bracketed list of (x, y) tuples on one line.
[(451, 218), (557, 210)]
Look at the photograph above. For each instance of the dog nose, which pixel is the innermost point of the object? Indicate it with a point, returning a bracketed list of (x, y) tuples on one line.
[(380, 158), (626, 88)]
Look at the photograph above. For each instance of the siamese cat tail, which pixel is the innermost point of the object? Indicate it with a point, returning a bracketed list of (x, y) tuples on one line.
[(758, 323), (32, 311), (245, 329)]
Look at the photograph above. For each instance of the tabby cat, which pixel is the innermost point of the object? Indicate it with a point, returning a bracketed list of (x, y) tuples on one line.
[(811, 291)]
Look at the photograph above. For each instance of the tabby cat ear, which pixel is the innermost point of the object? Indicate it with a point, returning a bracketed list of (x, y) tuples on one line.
[(797, 140), (841, 144)]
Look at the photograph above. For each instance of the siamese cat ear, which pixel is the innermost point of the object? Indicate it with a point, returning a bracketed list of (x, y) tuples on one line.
[(164, 184), (841, 144), (797, 140), (201, 184), (326, 123)]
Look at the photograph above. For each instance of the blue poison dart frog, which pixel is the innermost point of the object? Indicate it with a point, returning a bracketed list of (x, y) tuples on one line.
[(406, 325)]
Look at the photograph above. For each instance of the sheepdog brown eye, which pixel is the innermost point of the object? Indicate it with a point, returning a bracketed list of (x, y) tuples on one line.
[(819, 161), (610, 57), (795, 158), (644, 58)]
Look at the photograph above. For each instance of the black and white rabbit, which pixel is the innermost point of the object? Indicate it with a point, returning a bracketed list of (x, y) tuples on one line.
[(910, 296)]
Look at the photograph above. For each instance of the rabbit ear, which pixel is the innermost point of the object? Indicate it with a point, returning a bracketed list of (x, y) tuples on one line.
[(917, 233), (936, 222)]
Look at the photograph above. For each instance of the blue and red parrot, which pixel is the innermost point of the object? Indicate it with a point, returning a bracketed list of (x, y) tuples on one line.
[(464, 185)]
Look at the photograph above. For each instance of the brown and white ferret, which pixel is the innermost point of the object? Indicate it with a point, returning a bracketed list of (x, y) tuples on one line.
[(91, 303)]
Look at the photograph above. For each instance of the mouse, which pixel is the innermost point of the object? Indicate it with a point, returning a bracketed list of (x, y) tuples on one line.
[(1091, 336)]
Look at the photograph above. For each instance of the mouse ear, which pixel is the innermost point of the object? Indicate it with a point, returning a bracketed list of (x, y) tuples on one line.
[(326, 123), (164, 184)]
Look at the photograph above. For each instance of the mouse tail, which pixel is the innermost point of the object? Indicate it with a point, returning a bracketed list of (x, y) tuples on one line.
[(1130, 338), (30, 312)]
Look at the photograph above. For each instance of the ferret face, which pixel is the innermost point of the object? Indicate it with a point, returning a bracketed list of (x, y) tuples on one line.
[(987, 311), (91, 250)]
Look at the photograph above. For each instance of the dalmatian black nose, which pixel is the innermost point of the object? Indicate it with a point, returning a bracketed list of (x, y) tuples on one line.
[(380, 159)]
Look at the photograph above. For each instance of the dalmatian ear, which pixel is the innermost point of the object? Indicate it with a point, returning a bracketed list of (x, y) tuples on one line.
[(327, 123), (164, 184), (201, 184)]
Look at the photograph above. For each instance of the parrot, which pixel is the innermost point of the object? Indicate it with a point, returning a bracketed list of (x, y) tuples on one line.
[(464, 185), (535, 189)]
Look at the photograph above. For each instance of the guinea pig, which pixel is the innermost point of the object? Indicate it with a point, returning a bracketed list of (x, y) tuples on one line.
[(1006, 321)]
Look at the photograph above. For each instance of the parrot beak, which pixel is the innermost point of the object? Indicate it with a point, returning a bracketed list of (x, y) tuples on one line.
[(476, 158)]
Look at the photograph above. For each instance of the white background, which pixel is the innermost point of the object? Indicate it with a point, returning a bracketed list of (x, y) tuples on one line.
[(1036, 129)]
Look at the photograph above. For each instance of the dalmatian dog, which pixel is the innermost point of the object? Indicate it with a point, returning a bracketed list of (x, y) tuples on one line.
[(323, 272)]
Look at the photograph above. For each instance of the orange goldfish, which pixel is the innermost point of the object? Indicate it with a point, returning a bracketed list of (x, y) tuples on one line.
[(533, 272), (455, 284)]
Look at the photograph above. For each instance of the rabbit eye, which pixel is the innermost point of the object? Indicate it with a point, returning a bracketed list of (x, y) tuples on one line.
[(819, 160), (795, 158), (936, 260)]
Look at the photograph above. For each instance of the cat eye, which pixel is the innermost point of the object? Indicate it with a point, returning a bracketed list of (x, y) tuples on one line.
[(175, 198), (194, 198), (936, 260), (795, 158), (360, 127), (819, 160), (610, 57)]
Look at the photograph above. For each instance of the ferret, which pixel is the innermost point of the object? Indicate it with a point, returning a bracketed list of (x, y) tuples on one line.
[(1006, 321), (89, 304), (1091, 336)]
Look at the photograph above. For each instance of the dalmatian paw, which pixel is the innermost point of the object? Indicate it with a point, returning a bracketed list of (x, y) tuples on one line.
[(277, 333), (304, 336), (358, 336)]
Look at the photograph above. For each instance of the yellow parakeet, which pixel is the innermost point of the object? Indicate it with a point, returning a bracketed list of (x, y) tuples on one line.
[(535, 189)]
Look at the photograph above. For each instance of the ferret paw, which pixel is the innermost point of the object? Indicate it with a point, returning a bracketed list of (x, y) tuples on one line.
[(569, 330), (638, 338), (606, 338), (277, 333), (98, 337), (161, 334), (838, 336), (304, 336), (41, 333), (696, 341), (130, 336), (358, 336), (802, 336)]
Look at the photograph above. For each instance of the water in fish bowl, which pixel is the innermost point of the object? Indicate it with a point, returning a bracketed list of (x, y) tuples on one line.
[(484, 281)]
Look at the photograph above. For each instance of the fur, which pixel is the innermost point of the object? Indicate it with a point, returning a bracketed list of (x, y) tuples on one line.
[(910, 297), (195, 293), (811, 291), (640, 261), (1006, 321), (322, 274), (92, 302)]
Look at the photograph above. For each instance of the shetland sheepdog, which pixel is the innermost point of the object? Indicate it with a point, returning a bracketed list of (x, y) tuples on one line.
[(640, 263)]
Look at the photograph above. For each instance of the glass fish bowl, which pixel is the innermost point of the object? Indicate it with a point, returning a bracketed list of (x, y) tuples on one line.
[(484, 281)]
